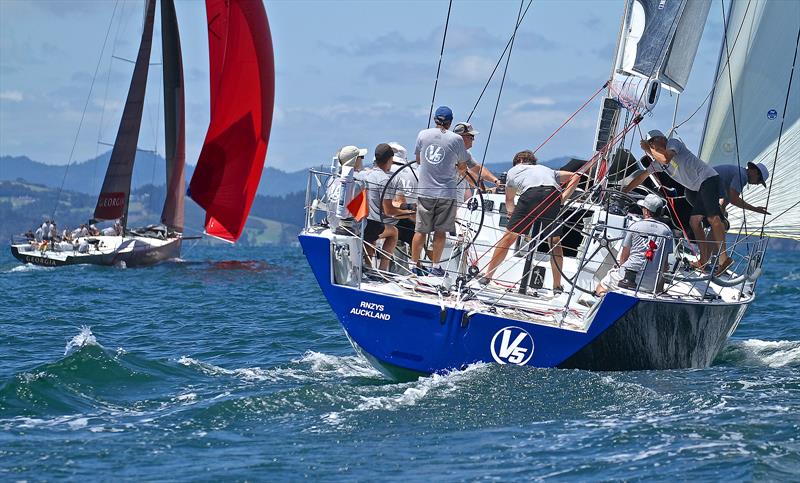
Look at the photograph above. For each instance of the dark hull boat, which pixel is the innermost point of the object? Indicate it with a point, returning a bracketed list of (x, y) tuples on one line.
[(130, 251), (407, 324), (232, 158)]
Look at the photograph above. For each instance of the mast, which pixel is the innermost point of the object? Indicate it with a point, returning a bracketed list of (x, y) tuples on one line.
[(174, 119), (116, 191)]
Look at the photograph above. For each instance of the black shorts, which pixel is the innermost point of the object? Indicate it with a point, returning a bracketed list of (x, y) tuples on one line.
[(705, 201), (537, 207), (405, 230), (372, 231)]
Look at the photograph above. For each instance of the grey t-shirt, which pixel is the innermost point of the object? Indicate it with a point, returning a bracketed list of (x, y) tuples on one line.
[(471, 162), (405, 183), (639, 239), (524, 176), (685, 168), (731, 176), (375, 180), (439, 153)]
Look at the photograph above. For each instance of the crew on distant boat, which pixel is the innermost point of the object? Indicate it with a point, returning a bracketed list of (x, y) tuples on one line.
[(53, 231), (39, 235), (538, 207), (468, 133), (375, 178), (702, 185), (648, 241), (46, 230), (437, 151), (733, 178)]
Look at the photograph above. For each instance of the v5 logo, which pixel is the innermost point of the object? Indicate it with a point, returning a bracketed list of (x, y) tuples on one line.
[(512, 345)]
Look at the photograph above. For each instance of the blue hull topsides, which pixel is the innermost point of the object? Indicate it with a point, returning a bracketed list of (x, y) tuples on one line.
[(405, 337)]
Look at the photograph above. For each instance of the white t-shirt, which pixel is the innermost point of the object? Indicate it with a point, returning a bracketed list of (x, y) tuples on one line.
[(524, 176)]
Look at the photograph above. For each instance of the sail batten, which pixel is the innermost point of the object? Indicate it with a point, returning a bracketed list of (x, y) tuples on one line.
[(754, 84), (115, 193), (174, 118), (242, 80)]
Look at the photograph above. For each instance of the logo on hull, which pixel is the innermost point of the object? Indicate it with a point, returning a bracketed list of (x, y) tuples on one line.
[(512, 345)]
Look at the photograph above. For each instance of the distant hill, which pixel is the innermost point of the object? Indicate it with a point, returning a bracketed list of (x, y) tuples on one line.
[(87, 176), (23, 206)]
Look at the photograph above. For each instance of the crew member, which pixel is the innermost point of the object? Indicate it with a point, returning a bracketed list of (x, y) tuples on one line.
[(634, 257), (438, 152), (702, 185), (732, 181), (540, 201), (375, 179)]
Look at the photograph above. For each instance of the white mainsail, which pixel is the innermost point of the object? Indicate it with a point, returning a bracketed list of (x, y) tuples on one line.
[(761, 44)]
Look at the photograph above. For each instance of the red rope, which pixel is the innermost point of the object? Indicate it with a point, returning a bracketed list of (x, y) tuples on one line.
[(555, 194), (573, 115)]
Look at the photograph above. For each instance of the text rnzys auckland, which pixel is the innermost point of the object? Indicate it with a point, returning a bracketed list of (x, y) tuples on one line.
[(371, 310)]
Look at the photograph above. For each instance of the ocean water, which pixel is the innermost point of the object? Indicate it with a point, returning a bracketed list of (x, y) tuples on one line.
[(215, 369)]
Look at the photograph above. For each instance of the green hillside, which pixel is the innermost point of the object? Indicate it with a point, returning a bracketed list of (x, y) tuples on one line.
[(24, 205)]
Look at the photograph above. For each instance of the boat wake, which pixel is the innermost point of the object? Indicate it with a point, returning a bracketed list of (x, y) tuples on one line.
[(29, 267), (755, 352)]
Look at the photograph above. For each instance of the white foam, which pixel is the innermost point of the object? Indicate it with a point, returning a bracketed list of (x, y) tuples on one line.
[(439, 383), (28, 267), (84, 338), (245, 373), (778, 353), (347, 366)]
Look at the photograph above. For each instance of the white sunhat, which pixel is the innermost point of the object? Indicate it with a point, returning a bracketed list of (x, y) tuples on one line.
[(348, 154)]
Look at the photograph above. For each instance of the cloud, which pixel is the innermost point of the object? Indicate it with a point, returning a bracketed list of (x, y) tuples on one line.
[(459, 39), (404, 72), (13, 96), (532, 104), (471, 68)]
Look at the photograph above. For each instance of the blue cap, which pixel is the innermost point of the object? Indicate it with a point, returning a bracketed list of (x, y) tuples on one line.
[(443, 115)]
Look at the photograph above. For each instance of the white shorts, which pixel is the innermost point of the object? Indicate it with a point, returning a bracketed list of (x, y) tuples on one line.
[(613, 277)]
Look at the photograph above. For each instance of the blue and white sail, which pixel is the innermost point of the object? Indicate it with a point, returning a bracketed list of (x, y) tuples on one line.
[(755, 86)]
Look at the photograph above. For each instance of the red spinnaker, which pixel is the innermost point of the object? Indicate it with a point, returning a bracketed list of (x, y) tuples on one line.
[(242, 95)]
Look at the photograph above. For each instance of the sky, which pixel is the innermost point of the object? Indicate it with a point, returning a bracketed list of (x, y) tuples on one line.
[(347, 72)]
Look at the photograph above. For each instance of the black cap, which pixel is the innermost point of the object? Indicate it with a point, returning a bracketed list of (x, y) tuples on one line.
[(383, 153)]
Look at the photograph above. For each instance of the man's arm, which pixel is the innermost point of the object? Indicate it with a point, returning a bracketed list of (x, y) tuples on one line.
[(573, 178), (636, 181), (736, 200), (624, 254), (487, 175), (390, 210), (510, 194)]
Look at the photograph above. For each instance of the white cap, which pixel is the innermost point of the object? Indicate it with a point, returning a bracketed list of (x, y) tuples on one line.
[(400, 153), (348, 154)]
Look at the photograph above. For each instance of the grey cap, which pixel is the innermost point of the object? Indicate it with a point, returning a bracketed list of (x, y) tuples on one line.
[(651, 203), (464, 128), (654, 133)]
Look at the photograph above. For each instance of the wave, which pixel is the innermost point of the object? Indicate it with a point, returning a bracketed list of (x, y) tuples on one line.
[(29, 267), (409, 394), (83, 339), (780, 353)]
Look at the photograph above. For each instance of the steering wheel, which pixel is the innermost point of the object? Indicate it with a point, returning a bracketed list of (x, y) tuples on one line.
[(463, 227)]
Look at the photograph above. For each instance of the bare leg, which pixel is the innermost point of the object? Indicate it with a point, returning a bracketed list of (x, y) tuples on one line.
[(390, 241), (438, 246), (718, 237), (500, 252), (696, 222), (556, 259), (417, 243)]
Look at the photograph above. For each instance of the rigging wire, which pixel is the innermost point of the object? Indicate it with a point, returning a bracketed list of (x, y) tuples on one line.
[(439, 68), (500, 93), (502, 54), (733, 103), (85, 107), (780, 132)]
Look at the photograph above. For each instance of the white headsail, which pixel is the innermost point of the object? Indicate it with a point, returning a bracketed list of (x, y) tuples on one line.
[(753, 86)]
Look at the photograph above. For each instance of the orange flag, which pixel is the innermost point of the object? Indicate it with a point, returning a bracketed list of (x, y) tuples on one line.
[(358, 206)]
